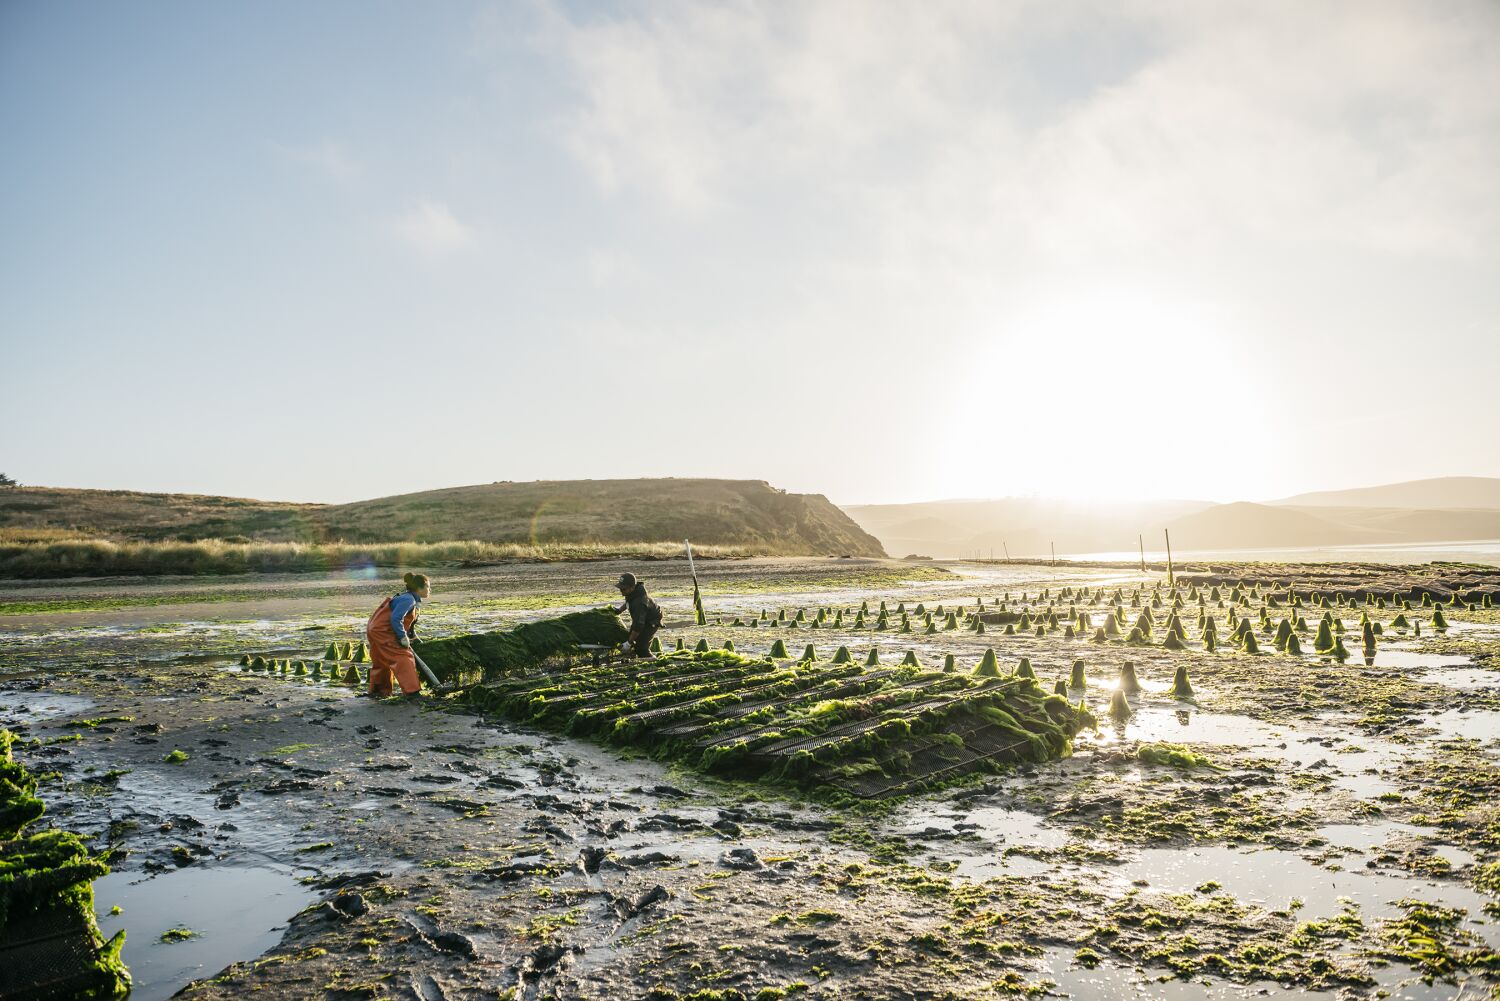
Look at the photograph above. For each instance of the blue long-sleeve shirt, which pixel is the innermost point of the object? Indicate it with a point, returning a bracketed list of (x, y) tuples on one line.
[(400, 605)]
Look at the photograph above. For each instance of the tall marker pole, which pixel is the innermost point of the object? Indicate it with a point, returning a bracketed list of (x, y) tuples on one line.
[(1171, 579), (698, 615)]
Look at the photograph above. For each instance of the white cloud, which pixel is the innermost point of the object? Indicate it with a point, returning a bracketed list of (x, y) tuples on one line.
[(970, 130), (433, 231)]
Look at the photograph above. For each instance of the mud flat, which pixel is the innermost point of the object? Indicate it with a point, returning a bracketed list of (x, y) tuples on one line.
[(1285, 825)]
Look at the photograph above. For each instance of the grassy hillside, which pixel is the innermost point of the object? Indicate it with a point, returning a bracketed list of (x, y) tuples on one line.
[(744, 514)]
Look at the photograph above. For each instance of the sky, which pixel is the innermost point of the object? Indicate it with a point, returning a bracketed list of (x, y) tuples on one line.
[(880, 251)]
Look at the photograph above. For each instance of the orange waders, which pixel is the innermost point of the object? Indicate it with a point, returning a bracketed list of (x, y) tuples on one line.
[(387, 656)]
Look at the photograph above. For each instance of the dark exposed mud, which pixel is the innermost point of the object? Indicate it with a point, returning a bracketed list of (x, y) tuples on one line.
[(319, 844)]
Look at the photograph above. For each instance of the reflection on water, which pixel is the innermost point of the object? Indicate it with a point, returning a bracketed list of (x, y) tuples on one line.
[(235, 913), (1273, 879), (1349, 769)]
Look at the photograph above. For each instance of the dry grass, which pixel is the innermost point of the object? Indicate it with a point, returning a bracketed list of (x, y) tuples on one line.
[(60, 557)]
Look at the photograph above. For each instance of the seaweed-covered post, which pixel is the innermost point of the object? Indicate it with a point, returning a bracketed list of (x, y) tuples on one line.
[(1129, 683), (1181, 689), (989, 666)]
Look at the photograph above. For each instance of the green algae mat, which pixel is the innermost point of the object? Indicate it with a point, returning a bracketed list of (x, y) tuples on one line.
[(467, 660), (866, 730), (50, 946)]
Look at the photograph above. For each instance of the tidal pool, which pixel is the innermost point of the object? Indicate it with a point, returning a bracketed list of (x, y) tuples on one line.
[(233, 912)]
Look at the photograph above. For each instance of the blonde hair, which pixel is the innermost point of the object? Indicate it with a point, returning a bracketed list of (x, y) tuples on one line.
[(415, 581)]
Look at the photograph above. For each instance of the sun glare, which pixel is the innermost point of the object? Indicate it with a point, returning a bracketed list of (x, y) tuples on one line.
[(1078, 390)]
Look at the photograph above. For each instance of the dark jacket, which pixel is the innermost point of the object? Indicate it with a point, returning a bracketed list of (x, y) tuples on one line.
[(644, 613)]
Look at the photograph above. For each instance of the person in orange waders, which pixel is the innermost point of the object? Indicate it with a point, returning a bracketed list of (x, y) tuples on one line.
[(389, 635)]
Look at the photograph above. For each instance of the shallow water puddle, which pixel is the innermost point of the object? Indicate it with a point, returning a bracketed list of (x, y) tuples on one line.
[(1348, 761), (997, 828), (30, 707), (1408, 658), (1273, 879), (1111, 982), (235, 913), (1473, 724)]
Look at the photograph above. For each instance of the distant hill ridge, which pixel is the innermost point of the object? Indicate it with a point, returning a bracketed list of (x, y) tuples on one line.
[(744, 513), (1437, 510), (1444, 493)]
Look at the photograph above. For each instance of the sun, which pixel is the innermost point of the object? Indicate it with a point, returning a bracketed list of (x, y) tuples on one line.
[(1108, 396)]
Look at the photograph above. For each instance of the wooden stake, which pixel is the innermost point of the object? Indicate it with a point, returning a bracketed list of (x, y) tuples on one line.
[(1142, 540), (1171, 579)]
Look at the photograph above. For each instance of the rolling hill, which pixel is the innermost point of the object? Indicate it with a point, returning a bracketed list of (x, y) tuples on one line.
[(1443, 493), (744, 513), (1440, 510)]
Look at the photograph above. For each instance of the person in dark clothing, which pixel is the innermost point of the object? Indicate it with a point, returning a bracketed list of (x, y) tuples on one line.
[(645, 614)]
